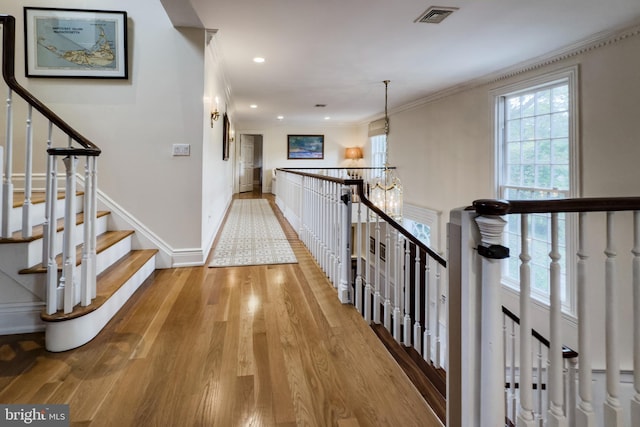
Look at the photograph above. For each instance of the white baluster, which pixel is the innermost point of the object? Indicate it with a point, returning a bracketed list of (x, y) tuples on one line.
[(571, 391), (368, 290), (69, 252), (436, 325), (27, 230), (54, 302), (407, 291), (388, 250), (85, 271), (7, 183), (417, 328), (555, 417), (525, 414), (427, 353), (635, 402), (492, 378), (397, 288), (612, 408), (48, 220), (585, 415), (344, 291), (377, 297), (94, 218), (358, 278)]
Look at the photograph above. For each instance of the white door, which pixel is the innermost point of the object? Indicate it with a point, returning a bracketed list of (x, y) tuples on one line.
[(246, 163)]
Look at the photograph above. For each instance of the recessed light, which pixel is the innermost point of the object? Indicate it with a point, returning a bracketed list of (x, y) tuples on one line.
[(327, 118), (253, 106), (258, 60), (280, 117)]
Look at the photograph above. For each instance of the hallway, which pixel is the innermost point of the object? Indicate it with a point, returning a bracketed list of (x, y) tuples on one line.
[(259, 346)]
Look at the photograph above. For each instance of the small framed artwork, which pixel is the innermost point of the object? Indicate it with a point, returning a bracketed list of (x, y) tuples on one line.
[(75, 43), (305, 146), (225, 136)]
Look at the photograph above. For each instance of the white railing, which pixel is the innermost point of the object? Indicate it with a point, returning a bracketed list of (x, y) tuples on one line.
[(477, 344), (65, 288), (390, 276)]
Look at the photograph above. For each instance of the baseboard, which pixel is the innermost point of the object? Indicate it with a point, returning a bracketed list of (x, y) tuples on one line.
[(21, 318)]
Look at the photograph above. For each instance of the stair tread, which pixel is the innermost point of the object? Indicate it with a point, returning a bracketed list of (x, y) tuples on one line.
[(103, 242), (108, 282), (36, 197), (38, 230)]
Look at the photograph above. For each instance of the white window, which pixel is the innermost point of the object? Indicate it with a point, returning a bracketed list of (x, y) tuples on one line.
[(378, 149), (536, 134)]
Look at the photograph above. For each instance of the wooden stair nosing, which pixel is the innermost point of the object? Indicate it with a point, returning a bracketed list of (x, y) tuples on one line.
[(108, 282), (430, 391), (103, 242), (37, 197), (38, 230)]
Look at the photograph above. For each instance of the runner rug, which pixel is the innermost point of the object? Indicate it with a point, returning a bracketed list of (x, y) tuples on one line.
[(251, 235)]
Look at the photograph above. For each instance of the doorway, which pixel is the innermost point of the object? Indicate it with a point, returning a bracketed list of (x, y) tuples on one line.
[(250, 164)]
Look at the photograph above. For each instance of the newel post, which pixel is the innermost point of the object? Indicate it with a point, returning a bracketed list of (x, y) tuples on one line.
[(344, 287), (492, 411)]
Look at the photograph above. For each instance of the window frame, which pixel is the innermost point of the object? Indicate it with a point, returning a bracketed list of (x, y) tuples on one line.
[(570, 75)]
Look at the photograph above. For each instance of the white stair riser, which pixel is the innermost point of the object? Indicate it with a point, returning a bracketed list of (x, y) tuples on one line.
[(35, 247), (37, 213), (62, 336), (16, 256)]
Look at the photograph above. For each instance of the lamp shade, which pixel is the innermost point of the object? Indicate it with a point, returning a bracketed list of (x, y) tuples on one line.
[(353, 153)]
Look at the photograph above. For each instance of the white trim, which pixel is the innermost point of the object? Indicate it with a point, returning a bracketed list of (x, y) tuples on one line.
[(586, 45), (571, 76), (427, 216)]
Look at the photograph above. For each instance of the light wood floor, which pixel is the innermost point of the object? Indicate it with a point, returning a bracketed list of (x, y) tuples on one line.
[(248, 346)]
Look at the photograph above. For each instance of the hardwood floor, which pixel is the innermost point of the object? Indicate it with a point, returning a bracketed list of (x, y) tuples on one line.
[(243, 346)]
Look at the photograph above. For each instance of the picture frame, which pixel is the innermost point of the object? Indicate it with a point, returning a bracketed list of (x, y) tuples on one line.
[(75, 43), (225, 137), (305, 147)]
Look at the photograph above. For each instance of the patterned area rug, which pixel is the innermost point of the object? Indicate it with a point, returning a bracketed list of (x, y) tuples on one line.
[(251, 236)]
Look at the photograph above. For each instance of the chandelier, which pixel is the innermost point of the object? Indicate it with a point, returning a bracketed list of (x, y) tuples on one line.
[(385, 190)]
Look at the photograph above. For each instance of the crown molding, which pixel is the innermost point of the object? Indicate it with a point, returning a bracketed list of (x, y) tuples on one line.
[(589, 44)]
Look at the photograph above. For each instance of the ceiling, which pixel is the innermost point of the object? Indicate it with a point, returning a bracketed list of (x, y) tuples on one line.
[(338, 52)]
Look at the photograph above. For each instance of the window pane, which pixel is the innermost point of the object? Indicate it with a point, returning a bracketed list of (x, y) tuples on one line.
[(560, 125), (515, 175), (513, 108), (543, 151), (529, 152), (528, 128), (560, 177), (543, 102), (560, 98), (543, 176), (513, 152), (528, 105), (543, 127), (528, 175), (560, 151), (513, 130)]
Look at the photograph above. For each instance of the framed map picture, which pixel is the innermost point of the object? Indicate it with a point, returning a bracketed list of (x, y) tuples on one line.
[(75, 43)]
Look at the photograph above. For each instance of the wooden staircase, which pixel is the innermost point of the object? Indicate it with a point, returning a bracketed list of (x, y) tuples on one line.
[(121, 270)]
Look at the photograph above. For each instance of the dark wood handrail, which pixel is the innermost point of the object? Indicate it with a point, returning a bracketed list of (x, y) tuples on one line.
[(586, 204), (359, 183), (8, 73), (567, 352)]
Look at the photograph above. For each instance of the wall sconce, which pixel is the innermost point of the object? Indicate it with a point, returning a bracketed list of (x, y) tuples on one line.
[(215, 116)]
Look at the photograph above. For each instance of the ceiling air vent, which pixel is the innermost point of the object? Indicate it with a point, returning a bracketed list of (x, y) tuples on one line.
[(436, 14)]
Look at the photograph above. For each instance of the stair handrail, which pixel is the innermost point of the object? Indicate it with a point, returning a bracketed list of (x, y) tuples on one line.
[(361, 185), (60, 291), (8, 73), (485, 251)]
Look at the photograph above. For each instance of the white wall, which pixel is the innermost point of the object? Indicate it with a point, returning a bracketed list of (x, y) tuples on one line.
[(136, 121), (445, 151), (274, 143)]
